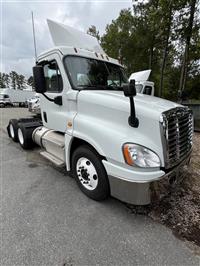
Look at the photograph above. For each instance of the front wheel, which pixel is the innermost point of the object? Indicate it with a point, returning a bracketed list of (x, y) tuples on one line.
[(90, 173)]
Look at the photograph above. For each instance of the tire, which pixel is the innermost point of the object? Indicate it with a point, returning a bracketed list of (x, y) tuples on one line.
[(90, 173), (2, 105), (12, 129), (25, 137)]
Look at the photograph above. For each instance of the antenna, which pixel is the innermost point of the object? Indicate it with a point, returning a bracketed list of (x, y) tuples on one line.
[(34, 36)]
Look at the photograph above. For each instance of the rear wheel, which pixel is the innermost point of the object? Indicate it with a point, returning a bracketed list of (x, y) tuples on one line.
[(12, 129), (25, 137), (90, 173)]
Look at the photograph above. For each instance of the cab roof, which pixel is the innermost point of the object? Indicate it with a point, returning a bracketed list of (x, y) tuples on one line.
[(65, 50)]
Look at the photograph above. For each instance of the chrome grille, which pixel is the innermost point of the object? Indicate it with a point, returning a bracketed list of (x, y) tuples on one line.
[(177, 130)]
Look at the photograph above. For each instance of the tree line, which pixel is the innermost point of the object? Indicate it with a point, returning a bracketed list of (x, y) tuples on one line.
[(162, 35), (15, 81)]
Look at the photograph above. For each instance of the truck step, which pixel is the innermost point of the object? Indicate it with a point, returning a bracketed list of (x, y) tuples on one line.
[(52, 158)]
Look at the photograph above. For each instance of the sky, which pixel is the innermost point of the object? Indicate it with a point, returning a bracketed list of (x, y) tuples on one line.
[(16, 38)]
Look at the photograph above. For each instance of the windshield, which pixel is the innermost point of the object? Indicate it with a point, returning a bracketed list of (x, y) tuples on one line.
[(88, 73), (139, 87)]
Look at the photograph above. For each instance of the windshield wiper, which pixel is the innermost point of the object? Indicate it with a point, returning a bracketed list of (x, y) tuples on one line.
[(100, 87), (92, 87), (111, 87)]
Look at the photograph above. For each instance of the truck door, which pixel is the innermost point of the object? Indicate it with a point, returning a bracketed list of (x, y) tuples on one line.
[(54, 116)]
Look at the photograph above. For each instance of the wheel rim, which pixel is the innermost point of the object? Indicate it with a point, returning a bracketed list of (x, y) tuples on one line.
[(20, 136), (12, 133), (87, 173)]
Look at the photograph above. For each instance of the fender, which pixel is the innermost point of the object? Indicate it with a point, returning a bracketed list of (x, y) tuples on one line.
[(69, 142)]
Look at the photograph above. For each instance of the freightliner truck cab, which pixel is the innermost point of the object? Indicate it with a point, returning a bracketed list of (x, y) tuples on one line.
[(113, 141)]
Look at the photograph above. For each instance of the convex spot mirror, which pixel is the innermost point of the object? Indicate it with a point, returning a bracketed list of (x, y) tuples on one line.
[(129, 89), (39, 79)]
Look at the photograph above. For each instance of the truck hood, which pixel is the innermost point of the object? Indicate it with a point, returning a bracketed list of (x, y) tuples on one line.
[(103, 115), (145, 105)]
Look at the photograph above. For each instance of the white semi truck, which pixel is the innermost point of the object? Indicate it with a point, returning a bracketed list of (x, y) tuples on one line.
[(142, 84), (113, 141), (11, 97)]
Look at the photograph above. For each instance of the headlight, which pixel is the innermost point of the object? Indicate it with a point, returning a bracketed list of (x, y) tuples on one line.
[(136, 155)]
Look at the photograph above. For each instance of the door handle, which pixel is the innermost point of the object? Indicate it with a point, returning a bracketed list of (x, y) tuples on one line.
[(45, 116)]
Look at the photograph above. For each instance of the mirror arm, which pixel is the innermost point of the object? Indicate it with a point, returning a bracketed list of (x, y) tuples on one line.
[(57, 100), (49, 99), (132, 120)]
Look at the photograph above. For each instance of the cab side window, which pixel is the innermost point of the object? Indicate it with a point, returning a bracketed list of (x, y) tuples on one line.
[(147, 90), (53, 77)]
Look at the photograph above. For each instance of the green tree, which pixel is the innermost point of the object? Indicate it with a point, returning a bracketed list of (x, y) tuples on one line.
[(13, 79), (153, 35), (7, 80), (30, 82), (2, 81), (121, 40), (189, 27), (21, 82), (166, 15)]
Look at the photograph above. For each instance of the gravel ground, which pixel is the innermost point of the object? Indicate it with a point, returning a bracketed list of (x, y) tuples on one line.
[(179, 209), (47, 220)]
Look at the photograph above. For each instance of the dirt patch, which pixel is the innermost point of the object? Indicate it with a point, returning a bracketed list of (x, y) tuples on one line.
[(32, 165), (179, 209)]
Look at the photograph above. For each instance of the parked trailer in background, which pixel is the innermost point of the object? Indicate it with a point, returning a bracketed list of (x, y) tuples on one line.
[(11, 97)]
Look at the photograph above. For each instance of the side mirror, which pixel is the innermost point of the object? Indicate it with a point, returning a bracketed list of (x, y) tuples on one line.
[(58, 100), (39, 79), (129, 89)]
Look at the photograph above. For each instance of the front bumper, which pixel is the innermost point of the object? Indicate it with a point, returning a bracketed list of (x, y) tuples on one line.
[(134, 186)]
